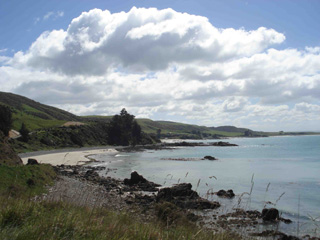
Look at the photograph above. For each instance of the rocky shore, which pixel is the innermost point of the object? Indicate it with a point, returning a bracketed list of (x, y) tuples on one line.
[(82, 185)]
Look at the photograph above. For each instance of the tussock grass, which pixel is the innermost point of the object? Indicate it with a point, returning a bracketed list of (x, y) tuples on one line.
[(22, 217), (25, 181)]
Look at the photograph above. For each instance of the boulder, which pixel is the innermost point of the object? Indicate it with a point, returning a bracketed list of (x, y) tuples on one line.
[(32, 161), (226, 194), (138, 183), (180, 190), (183, 196), (270, 214), (135, 179)]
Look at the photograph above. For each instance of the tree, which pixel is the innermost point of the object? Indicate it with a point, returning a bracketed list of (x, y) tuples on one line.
[(136, 133), (5, 119), (159, 133), (24, 133), (123, 129), (248, 133)]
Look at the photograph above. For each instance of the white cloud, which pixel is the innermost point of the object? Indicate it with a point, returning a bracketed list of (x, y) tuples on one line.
[(53, 15), (141, 40), (166, 64)]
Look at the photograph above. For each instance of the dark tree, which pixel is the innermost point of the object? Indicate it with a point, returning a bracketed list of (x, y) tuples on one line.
[(248, 133), (136, 133), (124, 130), (24, 133), (5, 119), (159, 133)]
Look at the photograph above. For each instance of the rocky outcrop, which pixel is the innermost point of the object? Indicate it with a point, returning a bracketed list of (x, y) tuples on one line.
[(210, 158), (139, 183), (226, 194), (183, 196), (32, 161), (270, 214), (223, 144)]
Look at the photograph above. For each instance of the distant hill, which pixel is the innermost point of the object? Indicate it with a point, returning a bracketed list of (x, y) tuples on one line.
[(39, 116), (178, 130), (34, 114)]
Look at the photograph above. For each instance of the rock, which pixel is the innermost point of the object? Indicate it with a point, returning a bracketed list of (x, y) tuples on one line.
[(288, 237), (180, 190), (139, 183), (285, 220), (223, 144), (225, 194), (210, 158), (135, 179), (270, 214), (91, 175), (32, 161), (183, 196)]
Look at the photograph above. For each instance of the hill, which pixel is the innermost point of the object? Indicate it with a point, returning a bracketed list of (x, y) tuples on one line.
[(34, 114), (169, 129)]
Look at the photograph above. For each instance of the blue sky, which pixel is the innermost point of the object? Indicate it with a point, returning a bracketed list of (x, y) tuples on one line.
[(299, 20), (255, 63)]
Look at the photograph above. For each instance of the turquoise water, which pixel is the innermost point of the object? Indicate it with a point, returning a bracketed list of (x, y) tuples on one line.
[(288, 166)]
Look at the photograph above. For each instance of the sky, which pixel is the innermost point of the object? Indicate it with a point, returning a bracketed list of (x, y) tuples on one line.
[(253, 64)]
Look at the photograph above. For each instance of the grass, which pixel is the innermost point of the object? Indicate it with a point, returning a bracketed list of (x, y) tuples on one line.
[(25, 181), (33, 122), (58, 220), (174, 128), (24, 218)]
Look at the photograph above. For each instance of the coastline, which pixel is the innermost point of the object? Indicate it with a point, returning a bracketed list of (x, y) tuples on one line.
[(87, 152), (78, 156)]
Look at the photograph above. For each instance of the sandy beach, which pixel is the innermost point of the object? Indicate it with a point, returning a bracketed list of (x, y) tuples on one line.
[(67, 157)]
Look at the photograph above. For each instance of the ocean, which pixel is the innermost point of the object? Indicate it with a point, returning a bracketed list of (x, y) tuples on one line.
[(281, 172)]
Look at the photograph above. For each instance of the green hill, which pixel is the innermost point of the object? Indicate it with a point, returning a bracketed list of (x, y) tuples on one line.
[(39, 116), (34, 114)]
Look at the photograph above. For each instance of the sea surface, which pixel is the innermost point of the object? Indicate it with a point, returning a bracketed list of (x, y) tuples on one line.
[(281, 172)]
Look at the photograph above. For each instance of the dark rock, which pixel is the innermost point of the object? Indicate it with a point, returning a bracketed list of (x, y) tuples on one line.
[(32, 161), (210, 158), (139, 183), (223, 144), (226, 194), (288, 237), (183, 196), (285, 220), (91, 175), (270, 214), (135, 179), (180, 190)]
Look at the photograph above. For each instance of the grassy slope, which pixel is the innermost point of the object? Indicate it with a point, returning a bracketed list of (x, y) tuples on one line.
[(167, 127), (21, 217), (35, 115)]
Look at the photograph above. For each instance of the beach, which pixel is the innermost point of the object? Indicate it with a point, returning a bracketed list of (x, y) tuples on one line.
[(67, 156)]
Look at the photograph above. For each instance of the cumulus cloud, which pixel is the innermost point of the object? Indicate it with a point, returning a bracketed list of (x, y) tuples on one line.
[(165, 64), (141, 40)]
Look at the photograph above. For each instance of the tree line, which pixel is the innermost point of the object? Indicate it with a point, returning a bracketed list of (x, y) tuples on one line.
[(123, 129)]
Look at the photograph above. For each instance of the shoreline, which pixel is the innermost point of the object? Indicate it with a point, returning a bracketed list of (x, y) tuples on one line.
[(74, 156)]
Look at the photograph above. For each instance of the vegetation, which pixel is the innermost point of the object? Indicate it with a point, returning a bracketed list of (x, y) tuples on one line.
[(22, 217), (33, 114), (5, 119), (59, 220), (25, 181), (124, 130), (24, 133)]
